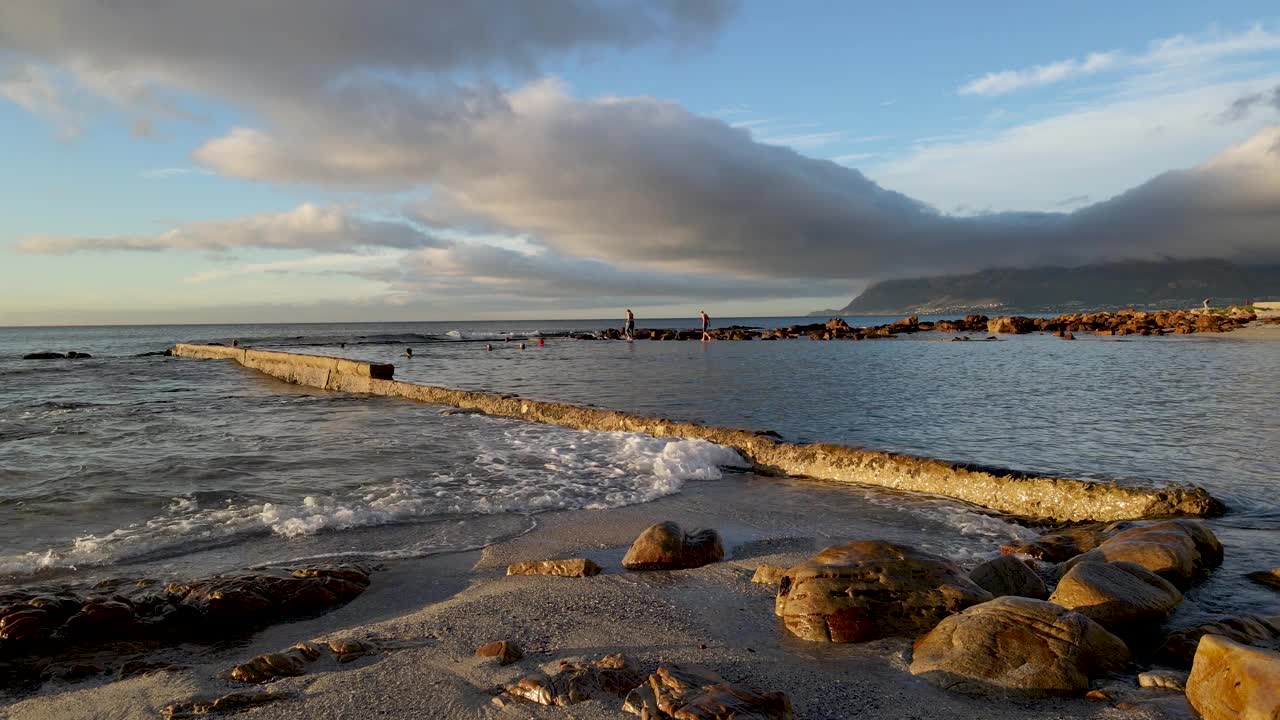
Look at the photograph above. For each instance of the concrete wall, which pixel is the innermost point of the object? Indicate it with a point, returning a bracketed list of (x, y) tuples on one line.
[(1044, 498)]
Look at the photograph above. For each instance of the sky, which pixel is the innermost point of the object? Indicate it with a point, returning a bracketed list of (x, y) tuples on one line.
[(335, 160)]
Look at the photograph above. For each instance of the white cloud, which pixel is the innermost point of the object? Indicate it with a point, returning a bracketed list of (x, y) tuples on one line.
[(169, 172), (1174, 52), (346, 263), (307, 227)]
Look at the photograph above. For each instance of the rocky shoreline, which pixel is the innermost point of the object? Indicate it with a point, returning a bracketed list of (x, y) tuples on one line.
[(1123, 322), (603, 616)]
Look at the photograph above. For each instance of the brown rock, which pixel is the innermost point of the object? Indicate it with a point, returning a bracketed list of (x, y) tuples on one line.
[(227, 703), (1061, 545), (290, 663), (870, 589), (348, 649), (1118, 595), (577, 567), (1011, 324), (1177, 550), (666, 547), (1007, 575), (611, 675), (676, 692), (768, 574), (1017, 646), (1262, 631), (1163, 679), (1230, 681), (506, 652)]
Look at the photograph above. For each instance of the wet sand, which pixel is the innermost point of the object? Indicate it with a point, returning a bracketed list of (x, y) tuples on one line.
[(439, 609)]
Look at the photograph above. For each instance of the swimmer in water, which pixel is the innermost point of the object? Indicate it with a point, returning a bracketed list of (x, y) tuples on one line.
[(540, 342), (521, 346), (408, 352), (487, 346)]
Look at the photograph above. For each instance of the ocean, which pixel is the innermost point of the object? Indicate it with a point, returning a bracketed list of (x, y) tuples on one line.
[(128, 465)]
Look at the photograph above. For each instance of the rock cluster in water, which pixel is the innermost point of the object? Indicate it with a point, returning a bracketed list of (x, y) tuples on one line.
[(1123, 322), (43, 629), (73, 355)]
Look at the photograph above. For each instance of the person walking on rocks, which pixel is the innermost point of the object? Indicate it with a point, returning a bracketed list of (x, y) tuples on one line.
[(706, 325), (629, 330)]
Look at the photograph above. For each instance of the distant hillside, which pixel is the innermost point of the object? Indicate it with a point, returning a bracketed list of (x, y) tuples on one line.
[(1170, 284)]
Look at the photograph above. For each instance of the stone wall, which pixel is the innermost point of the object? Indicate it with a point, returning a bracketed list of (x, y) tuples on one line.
[(1012, 493)]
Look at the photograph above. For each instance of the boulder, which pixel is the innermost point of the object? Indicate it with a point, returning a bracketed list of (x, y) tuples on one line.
[(1012, 324), (676, 692), (768, 574), (610, 676), (577, 567), (1163, 679), (348, 649), (507, 652), (1270, 578), (1230, 681), (73, 355), (1118, 595), (1007, 575), (1177, 550), (1017, 646), (666, 546), (44, 356), (871, 589), (1261, 631)]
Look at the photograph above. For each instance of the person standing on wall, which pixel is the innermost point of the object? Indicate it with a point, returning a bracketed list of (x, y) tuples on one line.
[(629, 330), (706, 325)]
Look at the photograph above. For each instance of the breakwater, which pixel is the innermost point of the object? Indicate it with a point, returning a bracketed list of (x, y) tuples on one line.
[(1038, 497)]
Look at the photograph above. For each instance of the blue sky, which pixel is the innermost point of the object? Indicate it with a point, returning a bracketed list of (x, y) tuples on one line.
[(974, 111)]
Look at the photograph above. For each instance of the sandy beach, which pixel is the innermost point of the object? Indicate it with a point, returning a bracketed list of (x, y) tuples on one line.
[(430, 615)]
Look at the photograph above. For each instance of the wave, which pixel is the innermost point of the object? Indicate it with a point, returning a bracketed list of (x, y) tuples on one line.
[(524, 471)]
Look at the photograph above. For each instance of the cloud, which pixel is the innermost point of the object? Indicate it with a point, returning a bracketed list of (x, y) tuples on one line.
[(35, 89), (306, 227), (1243, 106), (169, 172), (1179, 51), (338, 263), (1007, 81)]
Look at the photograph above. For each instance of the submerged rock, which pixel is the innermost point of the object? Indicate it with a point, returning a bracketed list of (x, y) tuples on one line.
[(871, 589), (505, 651), (1007, 575), (577, 567), (44, 356), (1017, 646), (676, 692), (1230, 681), (666, 546), (1177, 550), (44, 625), (1270, 578), (1262, 631), (611, 675), (1118, 595)]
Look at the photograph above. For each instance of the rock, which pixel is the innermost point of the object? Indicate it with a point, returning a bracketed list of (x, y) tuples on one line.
[(506, 652), (768, 574), (1163, 679), (1230, 681), (1177, 550), (1007, 575), (870, 589), (1270, 577), (268, 595), (1261, 631), (44, 356), (1017, 646), (611, 675), (666, 547), (226, 703), (73, 355), (1118, 595), (267, 667), (1060, 545), (577, 567), (348, 649), (1012, 324), (676, 692)]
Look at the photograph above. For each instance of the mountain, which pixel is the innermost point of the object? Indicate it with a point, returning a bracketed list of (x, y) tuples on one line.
[(1166, 284)]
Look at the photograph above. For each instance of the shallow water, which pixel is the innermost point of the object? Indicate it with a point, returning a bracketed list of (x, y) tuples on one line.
[(123, 464)]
